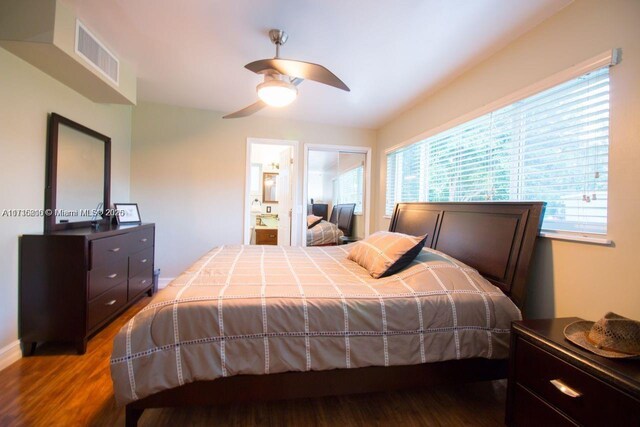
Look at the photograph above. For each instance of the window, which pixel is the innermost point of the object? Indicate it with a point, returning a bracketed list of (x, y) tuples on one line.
[(348, 188), (552, 146)]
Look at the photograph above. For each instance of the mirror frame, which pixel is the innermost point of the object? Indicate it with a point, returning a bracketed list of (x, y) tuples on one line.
[(264, 186), (55, 120)]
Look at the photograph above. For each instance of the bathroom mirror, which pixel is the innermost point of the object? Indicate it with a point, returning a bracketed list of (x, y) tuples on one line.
[(78, 174), (269, 182)]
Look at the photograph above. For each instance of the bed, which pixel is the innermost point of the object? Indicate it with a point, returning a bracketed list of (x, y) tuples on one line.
[(213, 336), (328, 233)]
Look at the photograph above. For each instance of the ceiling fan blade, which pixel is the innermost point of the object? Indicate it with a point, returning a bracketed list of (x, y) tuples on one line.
[(247, 111), (301, 69)]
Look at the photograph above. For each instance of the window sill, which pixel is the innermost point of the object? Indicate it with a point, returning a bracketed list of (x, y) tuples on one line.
[(577, 238), (566, 236)]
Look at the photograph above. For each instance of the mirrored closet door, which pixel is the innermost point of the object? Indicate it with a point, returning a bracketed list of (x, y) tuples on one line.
[(337, 182)]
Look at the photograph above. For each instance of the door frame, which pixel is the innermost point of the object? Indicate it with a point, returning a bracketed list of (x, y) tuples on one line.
[(295, 187), (367, 182)]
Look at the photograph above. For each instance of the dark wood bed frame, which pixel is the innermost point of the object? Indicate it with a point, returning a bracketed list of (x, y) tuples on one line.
[(342, 216), (496, 238)]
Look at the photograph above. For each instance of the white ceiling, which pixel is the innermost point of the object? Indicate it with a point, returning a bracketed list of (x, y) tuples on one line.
[(322, 160), (390, 53)]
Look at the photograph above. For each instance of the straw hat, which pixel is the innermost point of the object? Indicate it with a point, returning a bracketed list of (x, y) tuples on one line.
[(612, 336)]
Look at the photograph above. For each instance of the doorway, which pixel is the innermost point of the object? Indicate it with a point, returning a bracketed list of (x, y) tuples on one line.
[(337, 180), (270, 194)]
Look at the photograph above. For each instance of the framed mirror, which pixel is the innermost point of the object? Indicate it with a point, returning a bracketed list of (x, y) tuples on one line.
[(269, 182), (78, 175)]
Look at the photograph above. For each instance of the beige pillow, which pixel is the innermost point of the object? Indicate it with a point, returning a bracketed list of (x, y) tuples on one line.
[(313, 220), (385, 253)]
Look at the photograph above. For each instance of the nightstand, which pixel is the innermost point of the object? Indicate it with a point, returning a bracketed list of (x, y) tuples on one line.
[(554, 382)]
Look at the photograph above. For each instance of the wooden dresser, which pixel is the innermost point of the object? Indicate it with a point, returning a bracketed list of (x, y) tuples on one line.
[(266, 236), (73, 282), (554, 382)]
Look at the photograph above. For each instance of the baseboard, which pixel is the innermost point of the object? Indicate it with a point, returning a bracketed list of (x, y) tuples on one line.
[(10, 354), (164, 281)]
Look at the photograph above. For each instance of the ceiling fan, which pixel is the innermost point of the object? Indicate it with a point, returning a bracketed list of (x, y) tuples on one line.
[(282, 77)]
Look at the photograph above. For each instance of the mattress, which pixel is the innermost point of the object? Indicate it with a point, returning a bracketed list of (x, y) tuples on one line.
[(268, 309), (324, 233)]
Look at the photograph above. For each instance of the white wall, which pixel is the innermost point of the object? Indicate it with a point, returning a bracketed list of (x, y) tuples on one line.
[(27, 95), (188, 173), (316, 186), (568, 278)]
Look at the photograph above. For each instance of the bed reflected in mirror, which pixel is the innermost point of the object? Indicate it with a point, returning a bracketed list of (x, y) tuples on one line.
[(336, 196)]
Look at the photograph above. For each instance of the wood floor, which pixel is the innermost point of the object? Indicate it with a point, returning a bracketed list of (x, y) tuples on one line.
[(54, 389)]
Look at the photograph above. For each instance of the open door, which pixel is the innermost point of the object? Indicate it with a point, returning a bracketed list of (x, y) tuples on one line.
[(284, 197)]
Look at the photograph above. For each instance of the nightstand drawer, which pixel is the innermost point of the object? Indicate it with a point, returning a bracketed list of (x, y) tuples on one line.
[(531, 411), (594, 402)]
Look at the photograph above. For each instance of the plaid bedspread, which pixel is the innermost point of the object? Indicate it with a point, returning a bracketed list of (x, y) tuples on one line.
[(269, 309), (325, 233)]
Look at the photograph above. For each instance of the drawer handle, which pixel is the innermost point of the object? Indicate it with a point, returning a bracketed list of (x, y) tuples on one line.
[(110, 302), (565, 389), (142, 282), (143, 260), (112, 276), (143, 240), (114, 250)]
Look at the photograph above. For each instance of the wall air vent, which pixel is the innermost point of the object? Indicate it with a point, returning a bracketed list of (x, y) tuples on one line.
[(95, 53)]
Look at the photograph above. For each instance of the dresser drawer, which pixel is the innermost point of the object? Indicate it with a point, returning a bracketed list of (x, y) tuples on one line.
[(107, 250), (106, 277), (531, 411), (106, 304), (266, 237), (139, 240), (536, 368), (139, 261), (141, 282)]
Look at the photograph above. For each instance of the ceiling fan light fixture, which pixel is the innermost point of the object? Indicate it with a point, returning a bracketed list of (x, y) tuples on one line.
[(277, 93)]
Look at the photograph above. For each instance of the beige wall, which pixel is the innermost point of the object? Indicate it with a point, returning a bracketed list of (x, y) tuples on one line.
[(188, 174), (26, 97), (568, 279)]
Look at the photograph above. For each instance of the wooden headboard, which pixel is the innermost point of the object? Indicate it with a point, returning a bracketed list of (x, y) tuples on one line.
[(342, 216), (318, 209), (495, 238)]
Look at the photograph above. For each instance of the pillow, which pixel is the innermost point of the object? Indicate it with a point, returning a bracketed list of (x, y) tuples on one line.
[(313, 220), (385, 253)]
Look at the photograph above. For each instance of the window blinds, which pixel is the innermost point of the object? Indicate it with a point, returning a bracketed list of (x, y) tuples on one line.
[(349, 188), (552, 146)]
